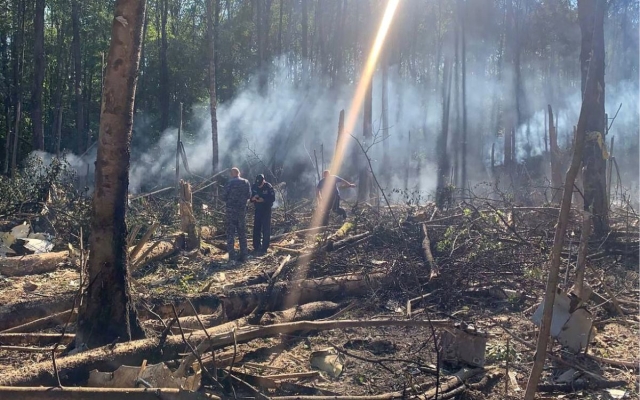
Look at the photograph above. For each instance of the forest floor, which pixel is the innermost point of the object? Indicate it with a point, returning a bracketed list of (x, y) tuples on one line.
[(488, 273)]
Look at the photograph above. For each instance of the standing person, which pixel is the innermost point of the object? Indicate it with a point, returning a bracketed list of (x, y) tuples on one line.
[(236, 193), (328, 189), (263, 196)]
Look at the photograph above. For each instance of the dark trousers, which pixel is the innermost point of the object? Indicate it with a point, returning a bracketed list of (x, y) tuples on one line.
[(334, 204), (262, 229)]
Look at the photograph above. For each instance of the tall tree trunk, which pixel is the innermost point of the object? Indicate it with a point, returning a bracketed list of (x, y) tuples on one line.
[(364, 183), (57, 109), (281, 6), (77, 62), (164, 67), (591, 16), (107, 313), (4, 65), (18, 65), (305, 30), (385, 116), (213, 103), (38, 76), (464, 99), (443, 194), (141, 92)]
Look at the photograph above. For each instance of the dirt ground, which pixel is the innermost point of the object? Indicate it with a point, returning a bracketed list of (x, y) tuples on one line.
[(492, 274)]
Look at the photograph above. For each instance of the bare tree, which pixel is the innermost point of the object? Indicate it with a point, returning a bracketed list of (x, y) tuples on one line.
[(107, 314)]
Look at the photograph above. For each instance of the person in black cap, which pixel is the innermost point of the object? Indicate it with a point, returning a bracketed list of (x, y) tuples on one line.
[(262, 196)]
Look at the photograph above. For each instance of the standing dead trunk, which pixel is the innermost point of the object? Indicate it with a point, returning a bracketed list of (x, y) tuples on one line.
[(591, 16), (107, 313), (556, 176), (38, 76), (213, 102), (187, 220), (77, 67)]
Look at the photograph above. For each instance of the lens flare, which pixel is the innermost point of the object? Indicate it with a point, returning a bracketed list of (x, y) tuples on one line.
[(349, 125)]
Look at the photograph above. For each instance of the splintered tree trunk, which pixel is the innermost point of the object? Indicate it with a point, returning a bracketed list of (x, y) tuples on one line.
[(38, 76), (107, 313), (556, 175), (364, 181), (591, 16), (187, 220), (77, 64), (213, 102)]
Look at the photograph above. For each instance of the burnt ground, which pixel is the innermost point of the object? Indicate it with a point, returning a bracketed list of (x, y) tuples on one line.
[(492, 261)]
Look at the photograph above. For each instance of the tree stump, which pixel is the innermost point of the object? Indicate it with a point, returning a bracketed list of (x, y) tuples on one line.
[(187, 220)]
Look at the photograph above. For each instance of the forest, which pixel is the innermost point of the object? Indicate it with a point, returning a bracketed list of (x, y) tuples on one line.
[(493, 149)]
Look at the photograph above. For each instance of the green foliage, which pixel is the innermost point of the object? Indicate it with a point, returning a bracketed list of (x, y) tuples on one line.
[(498, 352), (47, 190)]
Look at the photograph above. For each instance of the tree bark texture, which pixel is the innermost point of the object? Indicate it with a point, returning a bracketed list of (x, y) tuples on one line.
[(107, 314)]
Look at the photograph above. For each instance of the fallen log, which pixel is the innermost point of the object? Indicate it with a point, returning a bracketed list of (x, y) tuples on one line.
[(451, 383), (310, 311), (34, 339), (44, 323), (75, 368), (241, 301), (155, 251), (301, 231), (21, 313), (33, 264), (190, 322), (85, 393)]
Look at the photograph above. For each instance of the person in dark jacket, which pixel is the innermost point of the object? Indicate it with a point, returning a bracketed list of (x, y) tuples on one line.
[(262, 196), (235, 195), (328, 195)]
